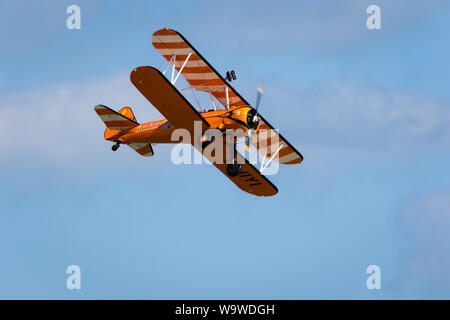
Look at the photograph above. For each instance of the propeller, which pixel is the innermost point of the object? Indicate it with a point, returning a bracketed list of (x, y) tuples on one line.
[(254, 119), (259, 93)]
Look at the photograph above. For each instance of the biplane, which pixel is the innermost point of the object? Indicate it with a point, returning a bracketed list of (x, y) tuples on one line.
[(235, 113)]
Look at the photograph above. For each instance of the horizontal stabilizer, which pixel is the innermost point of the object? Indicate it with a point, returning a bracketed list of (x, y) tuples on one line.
[(113, 119), (144, 149)]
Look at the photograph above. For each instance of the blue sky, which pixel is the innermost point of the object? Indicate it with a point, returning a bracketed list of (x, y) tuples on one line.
[(368, 109)]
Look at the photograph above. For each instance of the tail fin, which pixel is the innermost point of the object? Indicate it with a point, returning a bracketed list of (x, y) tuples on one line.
[(122, 120), (127, 112)]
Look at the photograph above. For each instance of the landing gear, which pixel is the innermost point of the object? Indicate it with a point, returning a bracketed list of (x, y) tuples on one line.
[(234, 169), (115, 146)]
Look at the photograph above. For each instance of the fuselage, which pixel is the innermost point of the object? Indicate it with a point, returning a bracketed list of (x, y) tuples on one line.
[(160, 131)]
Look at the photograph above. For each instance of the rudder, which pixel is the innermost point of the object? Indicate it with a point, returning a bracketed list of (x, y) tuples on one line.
[(128, 113)]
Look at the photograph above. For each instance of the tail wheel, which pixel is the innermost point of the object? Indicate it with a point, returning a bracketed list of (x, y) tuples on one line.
[(234, 169), (115, 146)]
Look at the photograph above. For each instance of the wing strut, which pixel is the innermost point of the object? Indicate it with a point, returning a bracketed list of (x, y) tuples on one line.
[(172, 62), (263, 164), (181, 69)]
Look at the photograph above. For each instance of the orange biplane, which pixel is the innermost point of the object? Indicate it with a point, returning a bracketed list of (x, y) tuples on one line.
[(237, 113)]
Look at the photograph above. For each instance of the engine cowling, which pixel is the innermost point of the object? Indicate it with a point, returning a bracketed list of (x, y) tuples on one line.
[(243, 118), (252, 119)]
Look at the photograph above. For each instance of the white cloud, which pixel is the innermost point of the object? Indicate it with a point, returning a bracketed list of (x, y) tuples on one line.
[(57, 124), (424, 270), (350, 115)]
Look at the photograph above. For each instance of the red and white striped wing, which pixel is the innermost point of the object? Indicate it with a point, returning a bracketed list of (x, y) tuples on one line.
[(203, 77), (269, 140), (197, 71)]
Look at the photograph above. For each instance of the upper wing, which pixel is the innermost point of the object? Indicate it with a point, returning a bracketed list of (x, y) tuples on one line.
[(202, 76), (181, 114), (269, 140), (197, 71)]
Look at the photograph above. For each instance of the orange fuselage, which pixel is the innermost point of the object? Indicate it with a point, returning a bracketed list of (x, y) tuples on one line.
[(160, 131)]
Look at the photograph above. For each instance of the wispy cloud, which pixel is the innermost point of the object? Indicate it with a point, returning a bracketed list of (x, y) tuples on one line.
[(424, 271), (57, 124), (352, 115)]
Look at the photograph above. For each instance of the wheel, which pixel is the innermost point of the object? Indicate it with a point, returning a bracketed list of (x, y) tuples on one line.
[(115, 146), (234, 169)]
